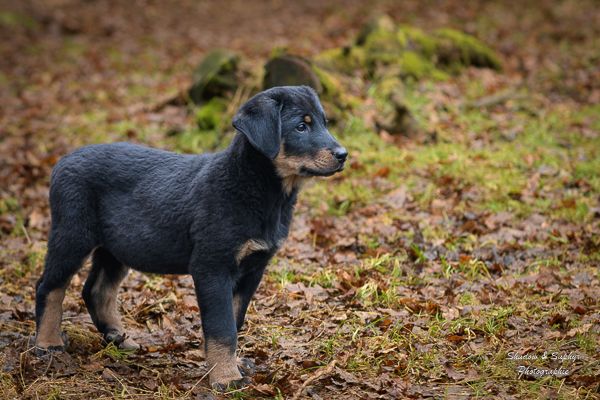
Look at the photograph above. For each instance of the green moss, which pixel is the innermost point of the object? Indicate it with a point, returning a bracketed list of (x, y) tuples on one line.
[(381, 23), (393, 114), (332, 87), (211, 131), (382, 48), (416, 53), (381, 42), (382, 92), (345, 60), (212, 114), (337, 99), (416, 66), (197, 141), (279, 51), (215, 76), (456, 49), (416, 39), (13, 20)]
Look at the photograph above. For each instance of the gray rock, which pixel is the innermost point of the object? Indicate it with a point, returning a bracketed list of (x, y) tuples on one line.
[(215, 76), (290, 70)]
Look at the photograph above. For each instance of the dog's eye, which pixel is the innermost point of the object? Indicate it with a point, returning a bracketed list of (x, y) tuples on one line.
[(301, 127)]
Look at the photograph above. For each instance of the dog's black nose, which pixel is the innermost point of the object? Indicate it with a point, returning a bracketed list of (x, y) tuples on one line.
[(340, 153)]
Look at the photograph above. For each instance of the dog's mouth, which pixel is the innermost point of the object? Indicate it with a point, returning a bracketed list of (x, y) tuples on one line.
[(306, 171)]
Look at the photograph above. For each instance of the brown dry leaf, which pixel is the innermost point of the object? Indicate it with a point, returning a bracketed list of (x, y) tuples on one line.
[(315, 292), (579, 330), (456, 338), (579, 308), (494, 221), (396, 198), (452, 373), (37, 219), (382, 172), (190, 302), (265, 389), (450, 314)]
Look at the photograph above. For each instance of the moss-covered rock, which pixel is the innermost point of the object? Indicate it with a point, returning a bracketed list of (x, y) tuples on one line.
[(406, 50), (392, 115), (346, 60), (215, 76), (412, 64), (382, 44), (418, 41), (381, 23), (411, 52), (287, 69), (368, 75), (456, 49), (212, 130)]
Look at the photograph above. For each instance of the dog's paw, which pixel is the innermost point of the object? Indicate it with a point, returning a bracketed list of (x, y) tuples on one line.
[(121, 340), (45, 351), (40, 350), (231, 385), (227, 376), (246, 366)]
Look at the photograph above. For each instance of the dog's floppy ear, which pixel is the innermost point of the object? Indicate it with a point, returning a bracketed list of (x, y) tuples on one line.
[(259, 120)]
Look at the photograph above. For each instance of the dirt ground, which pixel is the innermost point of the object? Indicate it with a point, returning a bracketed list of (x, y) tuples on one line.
[(439, 268)]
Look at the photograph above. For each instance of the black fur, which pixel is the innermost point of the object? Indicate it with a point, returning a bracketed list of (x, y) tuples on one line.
[(161, 212)]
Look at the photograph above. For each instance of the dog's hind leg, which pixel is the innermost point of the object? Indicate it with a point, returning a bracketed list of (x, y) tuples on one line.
[(100, 296), (66, 254), (242, 294)]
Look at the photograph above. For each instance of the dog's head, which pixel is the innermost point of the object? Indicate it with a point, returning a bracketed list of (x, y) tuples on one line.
[(288, 125)]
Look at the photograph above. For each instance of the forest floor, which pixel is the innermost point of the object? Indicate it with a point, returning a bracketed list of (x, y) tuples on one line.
[(421, 271)]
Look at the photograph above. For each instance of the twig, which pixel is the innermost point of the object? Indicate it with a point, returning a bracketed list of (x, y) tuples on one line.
[(29, 242), (584, 366), (323, 371), (496, 98), (188, 392)]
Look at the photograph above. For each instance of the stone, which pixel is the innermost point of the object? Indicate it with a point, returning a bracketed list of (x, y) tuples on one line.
[(215, 76), (287, 69)]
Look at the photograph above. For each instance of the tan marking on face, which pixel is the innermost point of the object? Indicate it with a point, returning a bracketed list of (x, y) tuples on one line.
[(222, 364), (288, 167), (324, 160), (48, 333), (307, 119), (249, 247)]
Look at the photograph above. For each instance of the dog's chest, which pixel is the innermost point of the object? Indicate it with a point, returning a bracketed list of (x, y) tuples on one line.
[(276, 225), (276, 222)]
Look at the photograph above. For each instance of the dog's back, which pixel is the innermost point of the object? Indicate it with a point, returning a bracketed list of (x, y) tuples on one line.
[(128, 198), (121, 166)]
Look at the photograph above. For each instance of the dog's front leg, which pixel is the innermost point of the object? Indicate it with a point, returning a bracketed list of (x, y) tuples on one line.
[(215, 299)]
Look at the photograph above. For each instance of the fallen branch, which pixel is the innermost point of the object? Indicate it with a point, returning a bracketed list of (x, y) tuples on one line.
[(323, 371), (496, 98)]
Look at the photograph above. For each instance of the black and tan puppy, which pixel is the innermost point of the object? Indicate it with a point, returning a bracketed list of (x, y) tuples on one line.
[(219, 217)]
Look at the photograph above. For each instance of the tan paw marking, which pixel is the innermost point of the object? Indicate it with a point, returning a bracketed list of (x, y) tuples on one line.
[(48, 333), (222, 364)]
